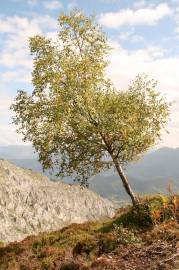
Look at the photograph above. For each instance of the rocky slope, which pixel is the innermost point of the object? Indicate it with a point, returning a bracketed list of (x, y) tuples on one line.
[(30, 203)]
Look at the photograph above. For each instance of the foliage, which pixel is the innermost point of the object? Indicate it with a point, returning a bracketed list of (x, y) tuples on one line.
[(149, 212), (162, 208), (124, 235), (75, 118)]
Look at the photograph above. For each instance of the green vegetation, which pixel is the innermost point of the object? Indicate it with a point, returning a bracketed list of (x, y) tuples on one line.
[(78, 122), (149, 212), (80, 246)]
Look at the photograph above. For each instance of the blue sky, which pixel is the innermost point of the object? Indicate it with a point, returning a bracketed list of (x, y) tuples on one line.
[(144, 36)]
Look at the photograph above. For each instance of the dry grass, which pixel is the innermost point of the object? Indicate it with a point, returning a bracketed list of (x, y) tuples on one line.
[(128, 241)]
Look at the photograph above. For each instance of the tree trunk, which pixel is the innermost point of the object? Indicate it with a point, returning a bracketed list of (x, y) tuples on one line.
[(125, 183)]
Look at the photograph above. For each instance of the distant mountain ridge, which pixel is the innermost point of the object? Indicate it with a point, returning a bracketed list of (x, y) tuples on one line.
[(151, 174), (17, 152)]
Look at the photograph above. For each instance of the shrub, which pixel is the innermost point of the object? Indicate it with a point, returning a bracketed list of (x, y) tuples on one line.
[(125, 236), (162, 208), (149, 212)]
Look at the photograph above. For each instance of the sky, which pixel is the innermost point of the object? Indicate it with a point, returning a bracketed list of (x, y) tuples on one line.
[(144, 35)]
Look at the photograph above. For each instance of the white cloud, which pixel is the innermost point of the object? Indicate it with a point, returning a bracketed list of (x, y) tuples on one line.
[(18, 30), (8, 132), (16, 76), (9, 135), (32, 2), (5, 102), (110, 1), (130, 35), (176, 18), (170, 139), (140, 3), (52, 5), (32, 26), (142, 16), (72, 5), (15, 58), (125, 65), (15, 23), (150, 60), (5, 128)]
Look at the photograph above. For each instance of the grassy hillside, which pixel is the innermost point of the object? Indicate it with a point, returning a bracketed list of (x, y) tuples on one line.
[(146, 237)]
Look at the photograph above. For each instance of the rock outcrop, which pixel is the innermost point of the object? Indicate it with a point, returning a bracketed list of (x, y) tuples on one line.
[(30, 203)]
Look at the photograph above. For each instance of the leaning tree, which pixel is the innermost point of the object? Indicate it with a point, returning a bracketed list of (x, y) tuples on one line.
[(77, 121)]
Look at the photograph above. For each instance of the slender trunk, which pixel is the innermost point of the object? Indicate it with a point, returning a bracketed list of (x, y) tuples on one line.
[(125, 182)]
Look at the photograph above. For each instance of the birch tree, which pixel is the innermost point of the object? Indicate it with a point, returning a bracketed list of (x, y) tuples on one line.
[(77, 121)]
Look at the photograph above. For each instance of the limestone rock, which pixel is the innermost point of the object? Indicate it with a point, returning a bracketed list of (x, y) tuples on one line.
[(30, 203)]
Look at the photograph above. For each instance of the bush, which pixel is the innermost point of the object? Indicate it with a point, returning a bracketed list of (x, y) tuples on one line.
[(125, 236), (162, 208), (149, 212)]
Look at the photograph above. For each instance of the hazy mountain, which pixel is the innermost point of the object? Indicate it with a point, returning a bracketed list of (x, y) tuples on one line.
[(160, 163), (152, 173), (17, 152)]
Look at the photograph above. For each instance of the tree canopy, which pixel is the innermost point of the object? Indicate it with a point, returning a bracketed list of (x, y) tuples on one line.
[(78, 122)]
